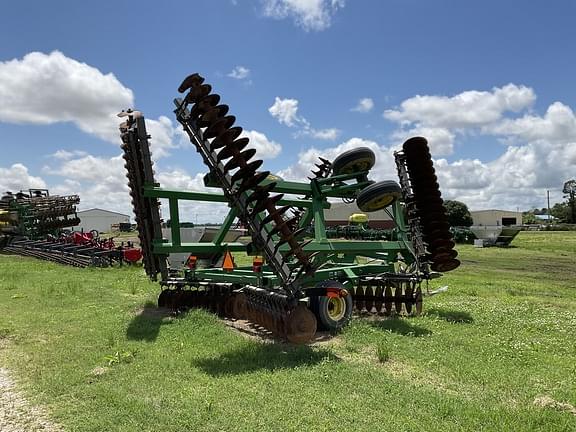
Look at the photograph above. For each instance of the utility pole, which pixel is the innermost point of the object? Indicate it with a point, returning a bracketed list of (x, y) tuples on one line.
[(548, 195)]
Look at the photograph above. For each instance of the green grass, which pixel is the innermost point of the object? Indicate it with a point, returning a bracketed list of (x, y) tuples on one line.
[(89, 346)]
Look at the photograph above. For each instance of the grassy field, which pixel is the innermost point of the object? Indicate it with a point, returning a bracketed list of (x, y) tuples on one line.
[(495, 352)]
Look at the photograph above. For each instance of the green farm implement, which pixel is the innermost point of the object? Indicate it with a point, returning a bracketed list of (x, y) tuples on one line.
[(295, 284)]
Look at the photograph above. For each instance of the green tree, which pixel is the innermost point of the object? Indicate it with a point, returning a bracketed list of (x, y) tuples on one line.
[(458, 213), (529, 218), (561, 212), (569, 191)]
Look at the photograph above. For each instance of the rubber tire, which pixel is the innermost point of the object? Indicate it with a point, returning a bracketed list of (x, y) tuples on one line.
[(355, 160), (378, 191), (319, 306)]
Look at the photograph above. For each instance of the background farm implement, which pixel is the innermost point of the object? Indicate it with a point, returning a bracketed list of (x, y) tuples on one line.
[(36, 224), (295, 284)]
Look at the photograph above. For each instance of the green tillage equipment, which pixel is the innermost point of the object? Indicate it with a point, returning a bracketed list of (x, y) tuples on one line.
[(305, 283)]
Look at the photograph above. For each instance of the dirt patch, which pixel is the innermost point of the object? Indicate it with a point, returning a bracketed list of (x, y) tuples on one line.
[(548, 402), (16, 414)]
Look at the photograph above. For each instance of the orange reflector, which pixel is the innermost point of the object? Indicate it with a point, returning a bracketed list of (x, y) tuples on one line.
[(257, 263), (228, 264), (336, 292), (191, 262)]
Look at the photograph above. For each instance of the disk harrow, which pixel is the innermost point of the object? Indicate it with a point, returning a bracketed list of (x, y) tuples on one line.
[(211, 130), (296, 284)]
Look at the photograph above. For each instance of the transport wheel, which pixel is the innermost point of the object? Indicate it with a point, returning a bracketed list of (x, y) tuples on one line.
[(355, 160), (332, 313), (378, 195)]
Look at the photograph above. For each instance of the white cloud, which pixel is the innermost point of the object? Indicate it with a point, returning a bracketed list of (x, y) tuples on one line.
[(440, 140), (239, 73), (364, 105), (52, 88), (557, 126), (65, 154), (467, 109), (315, 15), (265, 148), (384, 168), (16, 178), (286, 112), (49, 88)]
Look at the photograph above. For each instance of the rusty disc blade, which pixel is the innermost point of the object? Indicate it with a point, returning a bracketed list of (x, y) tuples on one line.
[(232, 149), (388, 300), (253, 181), (204, 105), (246, 172), (398, 299), (240, 159), (229, 306), (197, 93), (275, 215), (265, 203), (409, 299), (164, 298), (212, 115), (418, 301), (379, 302), (300, 325), (239, 306), (219, 127), (226, 138), (192, 80), (415, 145), (442, 243), (445, 266)]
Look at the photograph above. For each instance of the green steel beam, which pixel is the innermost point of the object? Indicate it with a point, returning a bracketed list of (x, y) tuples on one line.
[(174, 221), (161, 248)]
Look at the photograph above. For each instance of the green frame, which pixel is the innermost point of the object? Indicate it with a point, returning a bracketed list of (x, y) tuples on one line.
[(337, 259)]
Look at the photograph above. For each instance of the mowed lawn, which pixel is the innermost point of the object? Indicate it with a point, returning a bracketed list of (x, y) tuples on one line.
[(497, 351)]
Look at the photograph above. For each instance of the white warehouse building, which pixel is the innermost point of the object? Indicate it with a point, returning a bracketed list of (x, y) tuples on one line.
[(99, 220), (496, 217)]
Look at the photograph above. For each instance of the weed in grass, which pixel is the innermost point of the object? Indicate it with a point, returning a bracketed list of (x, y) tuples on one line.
[(120, 357), (382, 352)]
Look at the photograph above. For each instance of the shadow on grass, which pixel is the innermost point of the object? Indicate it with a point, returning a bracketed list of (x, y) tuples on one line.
[(145, 326), (262, 356), (451, 315), (401, 326)]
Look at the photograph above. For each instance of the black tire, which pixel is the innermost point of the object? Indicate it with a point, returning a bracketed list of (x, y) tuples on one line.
[(352, 161), (378, 195), (332, 313)]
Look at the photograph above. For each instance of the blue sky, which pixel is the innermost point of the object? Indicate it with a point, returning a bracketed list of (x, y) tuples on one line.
[(489, 83)]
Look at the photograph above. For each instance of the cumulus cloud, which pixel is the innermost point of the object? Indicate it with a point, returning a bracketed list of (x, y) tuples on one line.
[(286, 112), (539, 152), (467, 109), (17, 177), (440, 140), (310, 15), (384, 168), (239, 73), (265, 148), (364, 105), (50, 88)]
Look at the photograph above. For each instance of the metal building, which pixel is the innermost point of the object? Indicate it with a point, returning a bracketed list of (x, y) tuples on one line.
[(496, 217), (100, 220)]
